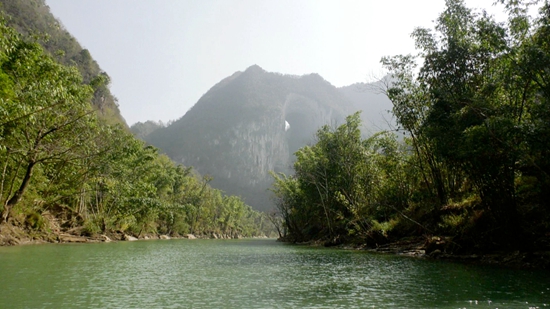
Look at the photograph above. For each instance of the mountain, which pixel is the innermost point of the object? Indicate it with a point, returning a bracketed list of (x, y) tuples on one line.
[(251, 123), (143, 129), (32, 18)]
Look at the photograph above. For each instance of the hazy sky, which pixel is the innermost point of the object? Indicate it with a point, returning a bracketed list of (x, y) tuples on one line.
[(163, 55)]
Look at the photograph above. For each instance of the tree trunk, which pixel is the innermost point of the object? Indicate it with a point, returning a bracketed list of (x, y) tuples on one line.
[(19, 193)]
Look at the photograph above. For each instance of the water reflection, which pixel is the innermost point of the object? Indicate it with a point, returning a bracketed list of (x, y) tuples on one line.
[(251, 274)]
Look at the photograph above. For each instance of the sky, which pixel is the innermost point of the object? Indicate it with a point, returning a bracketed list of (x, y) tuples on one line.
[(163, 55)]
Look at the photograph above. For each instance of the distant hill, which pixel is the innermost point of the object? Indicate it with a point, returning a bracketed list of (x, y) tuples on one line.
[(33, 18), (251, 123), (142, 129)]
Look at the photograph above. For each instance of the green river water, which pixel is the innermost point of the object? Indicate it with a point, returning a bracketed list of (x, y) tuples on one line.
[(251, 274)]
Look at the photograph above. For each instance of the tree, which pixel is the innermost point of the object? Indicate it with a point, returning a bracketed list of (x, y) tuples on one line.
[(49, 118), (479, 89), (328, 194)]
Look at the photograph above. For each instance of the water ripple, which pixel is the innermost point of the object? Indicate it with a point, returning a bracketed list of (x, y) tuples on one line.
[(251, 274)]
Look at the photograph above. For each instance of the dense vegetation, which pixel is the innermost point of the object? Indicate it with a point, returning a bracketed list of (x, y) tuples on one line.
[(63, 166), (32, 18), (475, 162)]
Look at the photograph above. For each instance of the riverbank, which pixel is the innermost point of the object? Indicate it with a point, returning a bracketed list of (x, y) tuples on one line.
[(438, 248), (11, 235), (435, 248)]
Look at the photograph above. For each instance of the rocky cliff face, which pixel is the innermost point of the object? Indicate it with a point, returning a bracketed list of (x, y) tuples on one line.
[(249, 124)]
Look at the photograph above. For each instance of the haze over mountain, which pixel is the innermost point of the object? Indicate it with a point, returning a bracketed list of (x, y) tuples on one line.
[(375, 107), (252, 122), (247, 125)]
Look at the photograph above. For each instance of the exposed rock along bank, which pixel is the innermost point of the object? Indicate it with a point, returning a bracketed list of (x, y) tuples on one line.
[(12, 235), (437, 248)]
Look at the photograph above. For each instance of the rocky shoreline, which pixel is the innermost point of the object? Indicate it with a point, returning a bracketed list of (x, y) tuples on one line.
[(11, 235), (512, 259), (435, 248), (419, 247)]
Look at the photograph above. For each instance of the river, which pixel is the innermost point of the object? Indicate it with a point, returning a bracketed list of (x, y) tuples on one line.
[(251, 274)]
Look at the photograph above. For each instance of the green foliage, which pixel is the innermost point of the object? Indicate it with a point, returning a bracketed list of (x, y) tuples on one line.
[(475, 161), (344, 184), (482, 98), (48, 117), (92, 225), (384, 227), (35, 221), (33, 20), (56, 156)]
